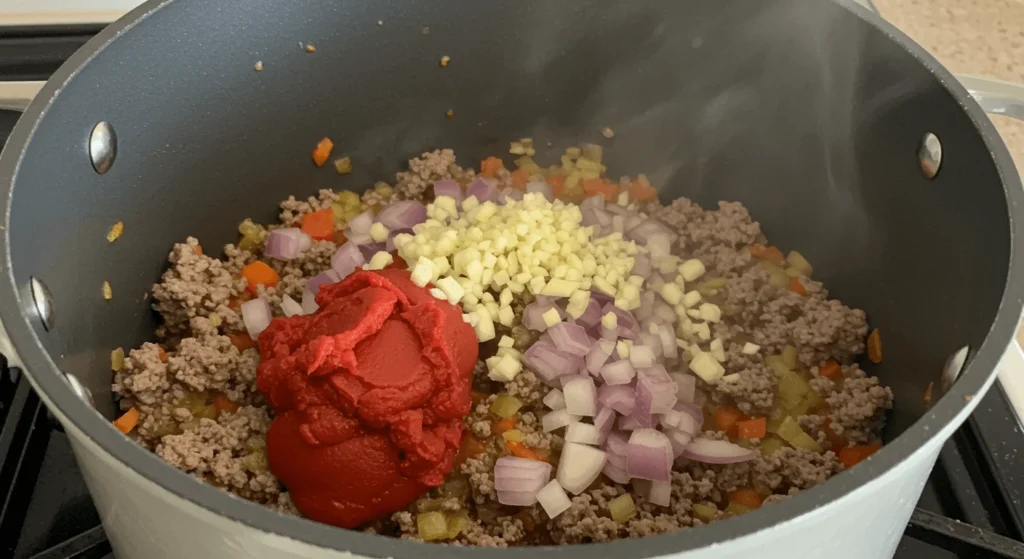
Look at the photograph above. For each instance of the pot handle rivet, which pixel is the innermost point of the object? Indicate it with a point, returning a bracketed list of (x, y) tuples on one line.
[(102, 147), (79, 389), (929, 155), (43, 302)]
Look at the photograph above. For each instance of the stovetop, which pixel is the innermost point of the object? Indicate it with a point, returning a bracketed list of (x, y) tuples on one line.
[(971, 507)]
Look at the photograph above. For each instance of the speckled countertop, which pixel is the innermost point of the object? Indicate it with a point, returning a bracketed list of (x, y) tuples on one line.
[(982, 37)]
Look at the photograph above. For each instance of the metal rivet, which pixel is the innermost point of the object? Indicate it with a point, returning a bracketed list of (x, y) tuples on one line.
[(79, 389), (43, 302), (102, 147), (953, 366), (929, 155)]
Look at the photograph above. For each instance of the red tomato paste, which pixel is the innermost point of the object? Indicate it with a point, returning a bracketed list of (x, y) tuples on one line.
[(369, 394)]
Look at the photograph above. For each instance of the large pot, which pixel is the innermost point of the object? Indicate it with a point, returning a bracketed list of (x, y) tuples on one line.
[(811, 113)]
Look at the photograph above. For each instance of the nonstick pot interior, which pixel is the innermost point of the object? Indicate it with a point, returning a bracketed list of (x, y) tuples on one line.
[(805, 112)]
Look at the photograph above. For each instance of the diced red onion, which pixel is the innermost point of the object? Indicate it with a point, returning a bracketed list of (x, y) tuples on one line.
[(554, 399), (616, 445), (402, 214), (604, 422), (313, 284), (553, 499), (533, 316), (616, 209), (517, 480), (615, 473), (641, 356), (660, 493), (389, 245), (617, 372), (649, 455), (652, 341), (717, 452), (680, 440), (682, 421), (628, 423), (583, 433), (361, 223), (290, 307), (256, 315), (618, 224), (357, 238), (511, 194), (485, 190), (598, 356), (570, 338), (669, 349), (309, 305), (593, 202), (285, 244), (549, 363), (369, 249), (542, 188), (626, 323), (601, 297), (517, 498), (646, 309), (564, 379), (448, 187), (346, 259), (642, 266), (693, 411), (609, 334), (663, 310), (546, 300), (685, 385), (557, 419), (633, 220), (646, 228), (589, 216), (656, 373), (578, 466), (581, 397), (621, 398), (659, 245)]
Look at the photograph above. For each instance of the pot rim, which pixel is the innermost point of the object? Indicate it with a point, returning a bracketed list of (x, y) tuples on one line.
[(17, 315)]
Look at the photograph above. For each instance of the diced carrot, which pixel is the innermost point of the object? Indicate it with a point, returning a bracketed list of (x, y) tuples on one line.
[(198, 250), (258, 273), (853, 455), (319, 225), (519, 178), (755, 428), (469, 447), (726, 418), (768, 254), (557, 182), (642, 191), (162, 353), (489, 167), (834, 439), (322, 151), (222, 403), (830, 369), (476, 397), (875, 346), (340, 238), (796, 287), (746, 497), (506, 424), (127, 421), (521, 451), (593, 187), (242, 341)]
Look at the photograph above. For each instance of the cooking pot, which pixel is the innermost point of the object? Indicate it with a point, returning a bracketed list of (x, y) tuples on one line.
[(844, 138)]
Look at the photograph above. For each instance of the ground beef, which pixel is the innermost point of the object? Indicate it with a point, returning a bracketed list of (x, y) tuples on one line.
[(753, 391), (527, 387), (814, 425), (792, 468), (858, 407), (713, 236), (585, 522), (423, 171), (481, 477), (211, 362), (217, 451), (195, 285), (293, 210)]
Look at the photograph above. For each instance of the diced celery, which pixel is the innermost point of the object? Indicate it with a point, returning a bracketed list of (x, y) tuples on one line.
[(593, 152), (513, 435), (348, 199), (776, 364), (770, 445), (799, 263), (431, 526), (572, 152), (505, 406), (343, 165), (789, 357), (775, 419), (384, 190), (791, 432), (705, 511), (792, 389), (457, 522), (737, 509), (255, 462), (814, 400), (248, 229), (778, 276), (622, 508), (799, 408)]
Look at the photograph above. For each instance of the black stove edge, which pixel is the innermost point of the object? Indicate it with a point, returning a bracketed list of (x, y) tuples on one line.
[(1001, 454), (953, 535), (33, 53)]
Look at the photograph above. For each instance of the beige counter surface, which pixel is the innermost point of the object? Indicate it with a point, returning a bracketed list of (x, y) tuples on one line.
[(982, 37)]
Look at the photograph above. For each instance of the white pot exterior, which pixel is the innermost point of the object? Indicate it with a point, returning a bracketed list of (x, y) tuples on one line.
[(143, 520)]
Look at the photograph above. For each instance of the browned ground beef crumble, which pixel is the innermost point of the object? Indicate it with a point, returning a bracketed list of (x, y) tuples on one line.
[(172, 384)]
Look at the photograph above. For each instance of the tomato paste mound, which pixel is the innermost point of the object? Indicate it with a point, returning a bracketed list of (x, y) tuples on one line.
[(369, 394)]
